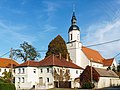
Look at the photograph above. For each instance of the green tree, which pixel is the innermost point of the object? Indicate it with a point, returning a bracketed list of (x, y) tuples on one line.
[(7, 77), (26, 52), (58, 46)]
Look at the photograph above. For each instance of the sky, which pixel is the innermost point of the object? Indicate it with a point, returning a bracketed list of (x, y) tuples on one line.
[(39, 21)]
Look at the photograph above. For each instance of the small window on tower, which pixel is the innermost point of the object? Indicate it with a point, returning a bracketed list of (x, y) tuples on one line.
[(71, 36)]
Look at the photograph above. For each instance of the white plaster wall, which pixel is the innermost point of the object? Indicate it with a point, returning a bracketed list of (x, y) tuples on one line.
[(114, 63), (108, 81), (74, 49), (46, 75), (84, 60), (30, 78), (97, 65)]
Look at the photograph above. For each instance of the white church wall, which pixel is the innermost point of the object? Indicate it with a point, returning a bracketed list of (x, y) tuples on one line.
[(97, 65), (74, 35), (84, 60)]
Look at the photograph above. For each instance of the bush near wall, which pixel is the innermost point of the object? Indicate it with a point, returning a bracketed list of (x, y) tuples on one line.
[(7, 86)]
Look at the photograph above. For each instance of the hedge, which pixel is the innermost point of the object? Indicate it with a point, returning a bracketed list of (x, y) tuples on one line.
[(88, 85), (7, 86)]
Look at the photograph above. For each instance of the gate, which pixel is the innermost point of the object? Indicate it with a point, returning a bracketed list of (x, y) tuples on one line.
[(62, 84)]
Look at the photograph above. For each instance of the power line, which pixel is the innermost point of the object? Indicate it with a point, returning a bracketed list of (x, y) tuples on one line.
[(4, 54), (116, 55), (103, 43), (78, 48)]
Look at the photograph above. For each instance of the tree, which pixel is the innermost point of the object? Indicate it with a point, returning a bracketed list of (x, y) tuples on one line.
[(7, 77), (26, 52), (58, 46)]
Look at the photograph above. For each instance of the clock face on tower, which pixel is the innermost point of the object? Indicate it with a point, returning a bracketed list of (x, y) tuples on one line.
[(71, 44)]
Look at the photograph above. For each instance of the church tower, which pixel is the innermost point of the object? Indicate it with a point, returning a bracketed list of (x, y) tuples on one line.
[(74, 31), (74, 45)]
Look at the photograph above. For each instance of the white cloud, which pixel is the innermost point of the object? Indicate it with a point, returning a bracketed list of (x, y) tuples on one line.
[(49, 28), (14, 32), (103, 32), (50, 6)]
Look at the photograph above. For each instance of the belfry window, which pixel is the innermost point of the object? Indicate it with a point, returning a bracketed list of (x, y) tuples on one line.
[(70, 36)]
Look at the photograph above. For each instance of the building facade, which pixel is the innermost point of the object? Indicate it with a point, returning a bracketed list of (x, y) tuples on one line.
[(48, 73)]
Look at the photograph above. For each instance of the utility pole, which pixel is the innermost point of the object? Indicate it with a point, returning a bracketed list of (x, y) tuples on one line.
[(91, 69), (11, 57)]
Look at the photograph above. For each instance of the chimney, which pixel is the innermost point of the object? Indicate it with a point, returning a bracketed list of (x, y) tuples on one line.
[(67, 58), (60, 55)]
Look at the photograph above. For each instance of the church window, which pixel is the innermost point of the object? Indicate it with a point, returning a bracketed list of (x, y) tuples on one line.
[(78, 36), (71, 36)]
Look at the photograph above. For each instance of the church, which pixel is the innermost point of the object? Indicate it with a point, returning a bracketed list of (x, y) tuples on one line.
[(81, 55), (58, 72)]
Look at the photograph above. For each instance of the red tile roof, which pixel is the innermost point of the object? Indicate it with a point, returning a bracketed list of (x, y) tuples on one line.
[(29, 63), (6, 62), (51, 61), (108, 62), (92, 55)]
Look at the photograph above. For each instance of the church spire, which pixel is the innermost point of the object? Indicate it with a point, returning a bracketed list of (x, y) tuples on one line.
[(73, 20)]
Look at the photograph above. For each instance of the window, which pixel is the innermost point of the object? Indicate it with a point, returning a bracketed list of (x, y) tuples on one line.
[(23, 79), (14, 71), (4, 70), (23, 70), (0, 69), (70, 36), (76, 71), (47, 70), (34, 71), (47, 79), (19, 70), (78, 36), (41, 70), (18, 79)]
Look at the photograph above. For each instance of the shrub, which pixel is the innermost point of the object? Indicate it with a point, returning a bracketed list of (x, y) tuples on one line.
[(88, 85), (7, 86)]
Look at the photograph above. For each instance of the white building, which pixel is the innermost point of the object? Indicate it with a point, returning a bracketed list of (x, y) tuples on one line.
[(101, 77), (48, 73), (6, 64), (81, 55)]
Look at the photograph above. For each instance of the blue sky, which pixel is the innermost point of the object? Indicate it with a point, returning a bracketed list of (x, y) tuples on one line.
[(40, 21)]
